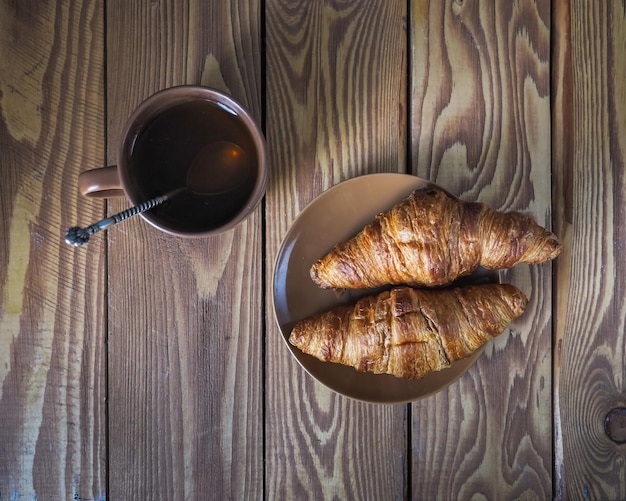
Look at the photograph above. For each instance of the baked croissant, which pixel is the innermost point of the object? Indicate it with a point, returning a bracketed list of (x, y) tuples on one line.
[(431, 239), (410, 333)]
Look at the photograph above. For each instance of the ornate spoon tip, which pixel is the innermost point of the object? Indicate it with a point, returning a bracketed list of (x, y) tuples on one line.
[(77, 236)]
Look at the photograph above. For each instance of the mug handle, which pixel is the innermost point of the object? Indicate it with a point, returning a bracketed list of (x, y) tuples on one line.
[(101, 183)]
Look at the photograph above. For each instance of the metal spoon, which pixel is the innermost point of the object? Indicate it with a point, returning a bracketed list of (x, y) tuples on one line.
[(218, 168)]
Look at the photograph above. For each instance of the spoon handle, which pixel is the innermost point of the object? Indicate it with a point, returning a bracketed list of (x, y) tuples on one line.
[(80, 236)]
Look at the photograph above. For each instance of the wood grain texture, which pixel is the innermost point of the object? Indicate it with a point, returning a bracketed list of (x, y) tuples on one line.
[(336, 108), (480, 113), (52, 352), (203, 400), (185, 322), (590, 128)]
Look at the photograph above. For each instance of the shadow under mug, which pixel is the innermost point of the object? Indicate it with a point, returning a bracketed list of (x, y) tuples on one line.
[(159, 143)]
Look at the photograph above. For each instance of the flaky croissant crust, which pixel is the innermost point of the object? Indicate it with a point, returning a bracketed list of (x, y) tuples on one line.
[(431, 239), (410, 333)]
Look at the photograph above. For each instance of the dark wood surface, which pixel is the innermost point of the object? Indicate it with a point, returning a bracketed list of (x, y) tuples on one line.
[(145, 366)]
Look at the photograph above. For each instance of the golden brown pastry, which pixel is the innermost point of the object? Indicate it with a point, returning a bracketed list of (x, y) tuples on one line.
[(407, 332), (431, 239)]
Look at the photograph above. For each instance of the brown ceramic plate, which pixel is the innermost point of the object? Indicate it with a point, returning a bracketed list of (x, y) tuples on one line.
[(336, 215)]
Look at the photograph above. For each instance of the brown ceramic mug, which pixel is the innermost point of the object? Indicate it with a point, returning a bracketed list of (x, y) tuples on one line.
[(159, 143)]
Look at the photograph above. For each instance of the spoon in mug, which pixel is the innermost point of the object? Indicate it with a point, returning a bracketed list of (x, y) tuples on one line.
[(218, 168)]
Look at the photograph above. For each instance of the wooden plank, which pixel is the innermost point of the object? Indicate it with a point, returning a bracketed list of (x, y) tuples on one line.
[(336, 108), (481, 128), (562, 154), (185, 323), (52, 328), (589, 151)]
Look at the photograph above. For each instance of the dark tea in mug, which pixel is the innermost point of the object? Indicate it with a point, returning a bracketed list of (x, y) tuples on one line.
[(164, 150)]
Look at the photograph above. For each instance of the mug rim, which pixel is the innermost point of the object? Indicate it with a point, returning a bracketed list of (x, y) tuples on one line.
[(165, 99)]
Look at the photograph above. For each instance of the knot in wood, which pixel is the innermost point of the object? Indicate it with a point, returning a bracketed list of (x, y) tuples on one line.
[(615, 425)]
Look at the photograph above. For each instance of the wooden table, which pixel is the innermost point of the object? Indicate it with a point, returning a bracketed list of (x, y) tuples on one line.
[(149, 367)]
